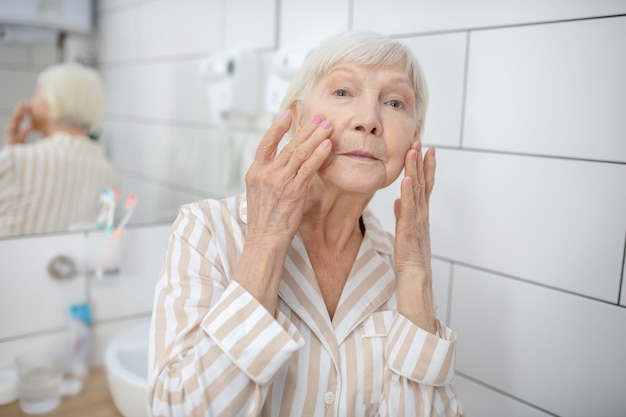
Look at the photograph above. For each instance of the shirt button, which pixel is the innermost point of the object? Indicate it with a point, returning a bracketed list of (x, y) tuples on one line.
[(329, 398)]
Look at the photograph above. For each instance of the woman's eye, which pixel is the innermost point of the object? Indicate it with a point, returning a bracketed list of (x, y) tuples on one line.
[(341, 93), (396, 103)]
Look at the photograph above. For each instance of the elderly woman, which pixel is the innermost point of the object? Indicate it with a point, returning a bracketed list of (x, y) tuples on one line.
[(54, 183), (291, 299)]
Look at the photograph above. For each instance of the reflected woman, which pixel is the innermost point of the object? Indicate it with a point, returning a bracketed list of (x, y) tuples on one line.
[(54, 184), (291, 300)]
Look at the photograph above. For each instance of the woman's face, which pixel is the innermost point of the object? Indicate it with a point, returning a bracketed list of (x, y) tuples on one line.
[(40, 110), (374, 123)]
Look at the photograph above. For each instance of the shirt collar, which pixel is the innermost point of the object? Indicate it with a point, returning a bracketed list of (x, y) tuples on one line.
[(382, 241)]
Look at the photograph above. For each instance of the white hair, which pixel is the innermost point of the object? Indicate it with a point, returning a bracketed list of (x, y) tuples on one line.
[(363, 48), (75, 95)]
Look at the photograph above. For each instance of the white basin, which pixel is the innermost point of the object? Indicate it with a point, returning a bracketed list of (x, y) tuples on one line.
[(126, 361)]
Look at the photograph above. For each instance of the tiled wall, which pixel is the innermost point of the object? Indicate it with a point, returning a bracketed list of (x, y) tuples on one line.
[(34, 306), (529, 212)]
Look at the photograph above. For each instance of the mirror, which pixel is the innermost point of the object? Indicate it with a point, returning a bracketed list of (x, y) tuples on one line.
[(156, 127)]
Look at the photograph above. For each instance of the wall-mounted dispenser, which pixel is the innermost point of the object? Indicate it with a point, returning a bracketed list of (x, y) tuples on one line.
[(287, 61), (232, 82)]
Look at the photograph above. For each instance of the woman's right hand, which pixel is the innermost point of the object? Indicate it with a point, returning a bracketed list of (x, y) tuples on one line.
[(276, 191), (15, 133), (276, 186)]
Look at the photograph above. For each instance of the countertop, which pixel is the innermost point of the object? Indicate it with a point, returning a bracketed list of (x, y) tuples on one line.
[(93, 401)]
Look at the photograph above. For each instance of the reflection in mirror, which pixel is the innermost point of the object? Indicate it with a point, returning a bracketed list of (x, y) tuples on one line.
[(54, 183)]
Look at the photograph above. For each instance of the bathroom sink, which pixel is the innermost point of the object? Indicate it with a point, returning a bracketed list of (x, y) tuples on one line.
[(126, 361)]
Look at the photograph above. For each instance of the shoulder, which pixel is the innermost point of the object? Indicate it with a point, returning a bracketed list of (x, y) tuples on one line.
[(216, 215), (12, 156)]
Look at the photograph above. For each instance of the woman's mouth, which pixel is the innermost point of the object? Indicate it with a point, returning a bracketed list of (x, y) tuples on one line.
[(360, 156)]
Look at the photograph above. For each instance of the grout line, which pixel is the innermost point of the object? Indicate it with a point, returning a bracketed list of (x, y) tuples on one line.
[(33, 334), (64, 328), (164, 183), (528, 154), (223, 23), (504, 393), (177, 123), (464, 92), (450, 288), (525, 280), (350, 15), (155, 121), (621, 280), (506, 26), (123, 318), (164, 59), (277, 23), (207, 126)]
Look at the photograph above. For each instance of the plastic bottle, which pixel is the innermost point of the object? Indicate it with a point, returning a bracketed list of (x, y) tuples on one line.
[(79, 349)]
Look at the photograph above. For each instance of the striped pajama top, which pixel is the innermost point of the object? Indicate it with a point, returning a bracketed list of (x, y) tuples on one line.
[(216, 351), (52, 185)]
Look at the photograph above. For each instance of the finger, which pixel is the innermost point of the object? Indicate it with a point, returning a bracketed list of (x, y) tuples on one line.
[(19, 112), (15, 134), (23, 134), (404, 208), (312, 164), (306, 149), (302, 136), (266, 151), (430, 165)]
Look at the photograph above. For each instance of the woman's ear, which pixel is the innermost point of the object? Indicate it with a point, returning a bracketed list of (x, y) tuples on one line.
[(418, 130), (296, 114)]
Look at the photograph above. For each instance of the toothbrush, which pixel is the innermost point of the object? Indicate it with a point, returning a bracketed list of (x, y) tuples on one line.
[(110, 198), (106, 198), (131, 202)]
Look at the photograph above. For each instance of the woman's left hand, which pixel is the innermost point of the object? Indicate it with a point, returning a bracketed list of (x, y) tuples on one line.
[(14, 131), (412, 243)]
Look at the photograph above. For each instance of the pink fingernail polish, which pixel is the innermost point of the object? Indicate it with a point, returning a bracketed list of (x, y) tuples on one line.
[(434, 151), (326, 143), (286, 114), (327, 124), (317, 119), (419, 146), (415, 156)]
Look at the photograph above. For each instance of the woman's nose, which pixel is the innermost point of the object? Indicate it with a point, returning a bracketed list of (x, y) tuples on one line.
[(367, 118)]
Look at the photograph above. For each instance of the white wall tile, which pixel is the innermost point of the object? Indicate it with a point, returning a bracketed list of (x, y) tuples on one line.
[(441, 287), (169, 28), (101, 335), (14, 54), (553, 89), (195, 158), (118, 38), (419, 16), (105, 6), (442, 58), (307, 22), (131, 292), (623, 296), (156, 203), (16, 86), (54, 341), (171, 91), (44, 55), (478, 400), (30, 300), (557, 222), (549, 348), (245, 17)]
